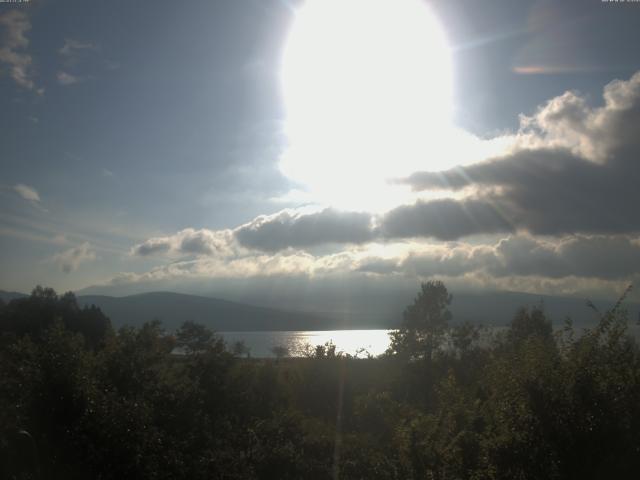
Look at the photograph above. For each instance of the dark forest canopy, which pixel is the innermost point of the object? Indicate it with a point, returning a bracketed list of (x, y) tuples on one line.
[(80, 400), (35, 314)]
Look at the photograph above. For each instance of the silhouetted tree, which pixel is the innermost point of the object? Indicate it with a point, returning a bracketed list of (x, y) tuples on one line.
[(463, 336), (530, 322), (521, 406), (280, 351), (240, 349), (194, 337), (33, 315), (424, 322)]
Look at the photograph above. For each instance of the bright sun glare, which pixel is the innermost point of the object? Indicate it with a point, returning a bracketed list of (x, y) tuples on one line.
[(367, 87)]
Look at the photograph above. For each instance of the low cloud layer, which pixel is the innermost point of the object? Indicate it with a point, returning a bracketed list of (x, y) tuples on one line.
[(579, 256), (598, 257)]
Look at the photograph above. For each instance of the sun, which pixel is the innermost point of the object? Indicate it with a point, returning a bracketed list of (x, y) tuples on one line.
[(368, 94)]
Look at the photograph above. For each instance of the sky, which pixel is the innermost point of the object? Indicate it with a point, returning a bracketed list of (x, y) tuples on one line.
[(274, 146)]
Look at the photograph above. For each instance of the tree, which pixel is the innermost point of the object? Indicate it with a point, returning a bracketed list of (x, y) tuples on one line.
[(463, 336), (35, 314), (424, 322), (194, 337), (280, 351), (530, 322), (240, 349)]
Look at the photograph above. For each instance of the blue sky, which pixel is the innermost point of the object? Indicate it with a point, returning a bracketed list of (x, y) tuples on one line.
[(141, 143)]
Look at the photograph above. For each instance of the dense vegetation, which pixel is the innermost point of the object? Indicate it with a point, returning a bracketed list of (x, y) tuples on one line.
[(79, 400)]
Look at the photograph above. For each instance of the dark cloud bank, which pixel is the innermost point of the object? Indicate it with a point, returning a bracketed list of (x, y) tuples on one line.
[(565, 197), (575, 169)]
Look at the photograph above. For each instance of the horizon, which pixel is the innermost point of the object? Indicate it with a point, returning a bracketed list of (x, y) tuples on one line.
[(235, 313)]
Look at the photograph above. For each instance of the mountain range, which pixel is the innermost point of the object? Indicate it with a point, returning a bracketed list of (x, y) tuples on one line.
[(490, 309)]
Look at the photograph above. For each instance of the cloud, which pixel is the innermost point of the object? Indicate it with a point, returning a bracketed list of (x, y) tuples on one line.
[(287, 229), (12, 51), (553, 69), (27, 192), (72, 53), (73, 48), (69, 260), (574, 169), (153, 246), (252, 266), (291, 228), (65, 78), (444, 219), (600, 257), (596, 257), (555, 213), (188, 242), (516, 255), (584, 265)]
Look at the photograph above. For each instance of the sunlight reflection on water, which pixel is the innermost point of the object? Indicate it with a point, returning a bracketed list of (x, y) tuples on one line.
[(360, 342)]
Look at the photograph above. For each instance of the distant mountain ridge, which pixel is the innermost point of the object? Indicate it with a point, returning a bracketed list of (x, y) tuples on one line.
[(490, 309), (221, 315), (6, 297)]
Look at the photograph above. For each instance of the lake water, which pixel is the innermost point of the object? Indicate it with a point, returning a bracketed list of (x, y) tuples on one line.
[(353, 342), (360, 342)]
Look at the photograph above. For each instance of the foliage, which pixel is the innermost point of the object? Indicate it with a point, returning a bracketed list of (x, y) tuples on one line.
[(530, 323), (33, 315), (280, 351), (424, 322), (129, 404)]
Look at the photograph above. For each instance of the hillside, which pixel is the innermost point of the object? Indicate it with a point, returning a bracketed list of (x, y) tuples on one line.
[(6, 297), (221, 315), (323, 313)]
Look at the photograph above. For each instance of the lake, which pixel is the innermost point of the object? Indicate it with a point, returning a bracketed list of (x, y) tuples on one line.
[(353, 342), (260, 344)]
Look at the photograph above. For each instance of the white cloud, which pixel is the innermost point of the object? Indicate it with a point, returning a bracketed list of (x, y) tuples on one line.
[(27, 192), (295, 228), (69, 260), (13, 49), (189, 241), (73, 53), (518, 259), (570, 123), (72, 47), (65, 78)]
